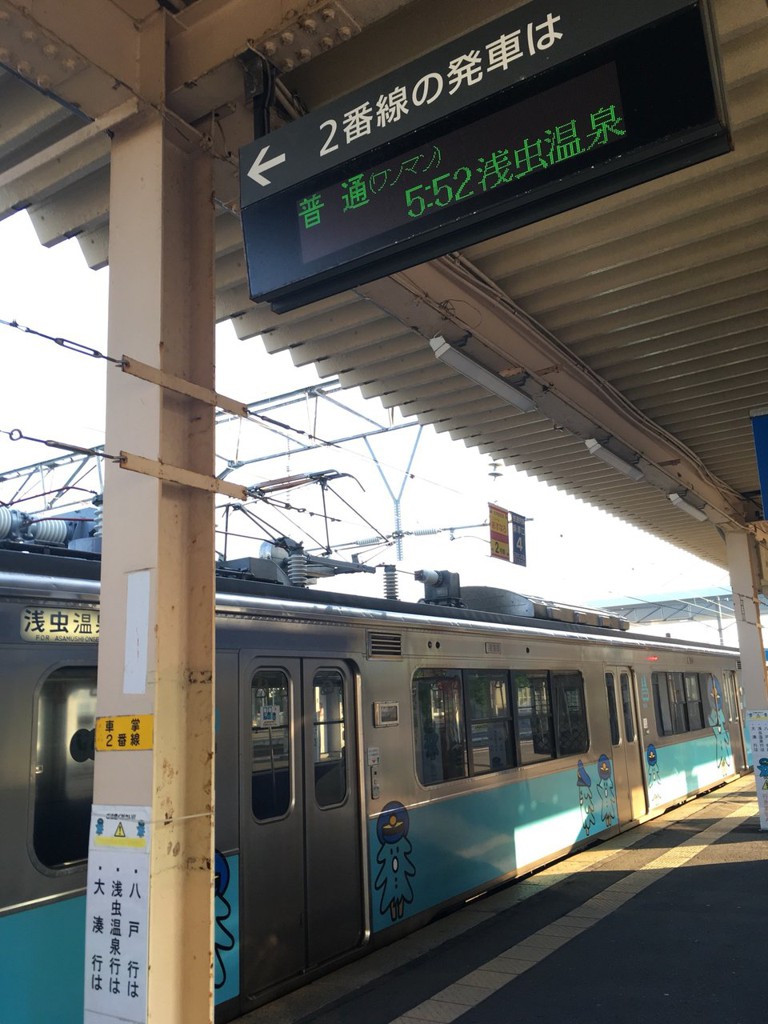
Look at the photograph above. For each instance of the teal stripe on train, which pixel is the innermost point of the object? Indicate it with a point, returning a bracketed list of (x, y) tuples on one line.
[(42, 950), (678, 769), (430, 853), (42, 964)]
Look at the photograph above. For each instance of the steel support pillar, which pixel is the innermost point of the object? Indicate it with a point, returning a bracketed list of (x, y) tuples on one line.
[(156, 650)]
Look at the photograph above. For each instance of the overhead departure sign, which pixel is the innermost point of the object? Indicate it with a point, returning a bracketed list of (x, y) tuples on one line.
[(533, 114)]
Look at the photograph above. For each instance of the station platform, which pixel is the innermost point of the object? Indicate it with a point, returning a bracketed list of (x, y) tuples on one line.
[(665, 922)]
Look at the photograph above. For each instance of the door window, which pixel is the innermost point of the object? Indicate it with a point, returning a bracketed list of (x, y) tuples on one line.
[(271, 782), (613, 716), (626, 706), (330, 767), (66, 713)]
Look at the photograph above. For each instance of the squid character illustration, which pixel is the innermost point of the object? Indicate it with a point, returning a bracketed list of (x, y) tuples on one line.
[(586, 800), (224, 940), (396, 868), (654, 776), (608, 810)]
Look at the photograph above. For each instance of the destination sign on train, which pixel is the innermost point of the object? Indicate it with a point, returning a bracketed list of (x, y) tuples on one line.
[(580, 129)]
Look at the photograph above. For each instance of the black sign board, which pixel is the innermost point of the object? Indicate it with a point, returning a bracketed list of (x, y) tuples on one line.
[(627, 111)]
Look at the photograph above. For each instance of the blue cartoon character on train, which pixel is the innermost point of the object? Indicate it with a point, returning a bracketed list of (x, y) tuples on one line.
[(586, 800), (654, 775), (716, 721), (608, 810), (224, 940), (396, 868)]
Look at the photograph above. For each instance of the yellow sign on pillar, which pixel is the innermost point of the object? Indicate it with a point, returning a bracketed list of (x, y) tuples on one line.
[(125, 732)]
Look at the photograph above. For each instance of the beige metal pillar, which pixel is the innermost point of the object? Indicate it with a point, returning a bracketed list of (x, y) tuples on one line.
[(156, 650), (743, 566)]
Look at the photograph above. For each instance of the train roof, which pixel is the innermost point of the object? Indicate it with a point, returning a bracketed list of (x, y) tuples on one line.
[(68, 576)]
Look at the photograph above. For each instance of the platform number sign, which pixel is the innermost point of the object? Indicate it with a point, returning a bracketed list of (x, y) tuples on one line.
[(498, 520), (518, 539)]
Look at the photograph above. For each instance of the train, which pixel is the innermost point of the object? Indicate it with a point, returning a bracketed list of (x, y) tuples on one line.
[(378, 762)]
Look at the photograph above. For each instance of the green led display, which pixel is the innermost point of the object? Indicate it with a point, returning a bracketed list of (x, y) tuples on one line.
[(641, 106), (491, 160)]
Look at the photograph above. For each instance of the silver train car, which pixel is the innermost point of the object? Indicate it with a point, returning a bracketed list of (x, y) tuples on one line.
[(377, 763)]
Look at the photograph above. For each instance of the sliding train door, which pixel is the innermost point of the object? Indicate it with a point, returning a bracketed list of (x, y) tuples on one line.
[(301, 857), (626, 748)]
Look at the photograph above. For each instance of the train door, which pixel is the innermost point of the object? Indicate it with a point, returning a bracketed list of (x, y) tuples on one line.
[(301, 871), (626, 749)]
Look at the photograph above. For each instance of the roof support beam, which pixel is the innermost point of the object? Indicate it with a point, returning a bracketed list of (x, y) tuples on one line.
[(449, 297)]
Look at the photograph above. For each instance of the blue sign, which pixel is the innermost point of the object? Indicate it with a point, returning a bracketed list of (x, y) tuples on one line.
[(518, 539), (760, 432)]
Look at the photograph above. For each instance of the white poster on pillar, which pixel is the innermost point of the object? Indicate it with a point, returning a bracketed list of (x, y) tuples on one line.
[(757, 722), (116, 929)]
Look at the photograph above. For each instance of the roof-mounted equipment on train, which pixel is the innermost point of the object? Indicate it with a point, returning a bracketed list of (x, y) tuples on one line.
[(78, 530), (285, 561), (507, 602)]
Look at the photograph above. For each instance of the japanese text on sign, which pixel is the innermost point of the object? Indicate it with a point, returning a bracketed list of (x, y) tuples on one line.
[(464, 71), (518, 539), (499, 525), (60, 625), (438, 178), (757, 722), (125, 732), (117, 914)]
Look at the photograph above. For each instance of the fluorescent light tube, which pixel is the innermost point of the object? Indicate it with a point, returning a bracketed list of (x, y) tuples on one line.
[(479, 375), (600, 452), (686, 506)]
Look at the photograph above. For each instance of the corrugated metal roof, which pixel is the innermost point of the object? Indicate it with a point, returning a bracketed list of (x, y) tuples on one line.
[(643, 313)]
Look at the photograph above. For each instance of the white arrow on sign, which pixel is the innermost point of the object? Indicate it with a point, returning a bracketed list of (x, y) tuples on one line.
[(260, 165)]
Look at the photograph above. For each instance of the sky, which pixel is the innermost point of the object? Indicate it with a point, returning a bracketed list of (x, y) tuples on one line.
[(576, 553)]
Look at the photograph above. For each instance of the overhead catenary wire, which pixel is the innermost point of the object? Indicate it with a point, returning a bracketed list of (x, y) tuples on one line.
[(270, 423)]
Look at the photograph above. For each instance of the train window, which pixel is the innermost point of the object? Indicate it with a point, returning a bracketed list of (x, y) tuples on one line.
[(613, 716), (490, 721), (626, 706), (661, 703), (534, 716), (271, 744), (730, 706), (63, 769), (441, 752), (678, 701), (328, 738), (693, 701), (570, 713)]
